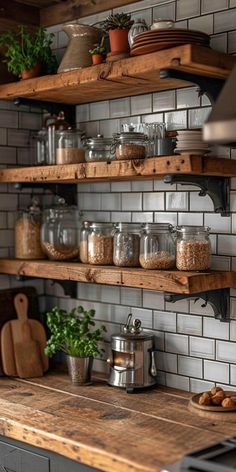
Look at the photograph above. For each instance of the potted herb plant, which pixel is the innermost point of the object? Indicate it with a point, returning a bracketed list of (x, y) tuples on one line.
[(118, 26), (28, 54), (97, 54), (73, 333)]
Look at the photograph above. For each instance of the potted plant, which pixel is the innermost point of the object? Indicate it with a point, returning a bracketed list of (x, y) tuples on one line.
[(28, 54), (118, 26), (97, 54), (72, 334)]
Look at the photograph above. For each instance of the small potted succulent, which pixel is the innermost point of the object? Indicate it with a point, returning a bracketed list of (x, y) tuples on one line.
[(118, 26), (97, 54), (73, 333), (28, 54)]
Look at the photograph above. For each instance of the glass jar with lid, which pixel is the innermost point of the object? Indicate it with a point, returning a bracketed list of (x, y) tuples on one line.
[(83, 246), (99, 149), (60, 232), (157, 246), (27, 233), (100, 243), (193, 248), (70, 146), (131, 145), (126, 245)]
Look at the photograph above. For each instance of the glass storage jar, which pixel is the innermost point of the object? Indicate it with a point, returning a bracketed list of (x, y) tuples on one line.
[(99, 149), (130, 145), (83, 245), (126, 245), (157, 246), (193, 248), (69, 146), (100, 243), (60, 232), (27, 233)]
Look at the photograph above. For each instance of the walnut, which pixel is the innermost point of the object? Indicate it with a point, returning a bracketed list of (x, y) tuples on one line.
[(205, 399), (227, 402), (214, 390), (218, 397)]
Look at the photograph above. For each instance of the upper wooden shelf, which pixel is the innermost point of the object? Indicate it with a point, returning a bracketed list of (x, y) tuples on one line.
[(174, 281), (152, 168), (131, 76)]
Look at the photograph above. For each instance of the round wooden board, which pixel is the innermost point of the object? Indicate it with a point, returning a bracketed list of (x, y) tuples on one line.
[(219, 409), (227, 417)]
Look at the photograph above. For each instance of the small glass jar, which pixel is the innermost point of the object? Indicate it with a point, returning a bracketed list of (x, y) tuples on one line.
[(40, 141), (27, 233), (126, 245), (131, 145), (157, 246), (100, 243), (59, 232), (69, 146), (83, 246), (99, 149), (193, 248)]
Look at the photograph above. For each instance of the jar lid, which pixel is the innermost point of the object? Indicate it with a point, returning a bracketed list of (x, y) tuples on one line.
[(129, 136), (128, 227), (86, 224), (101, 225), (69, 131), (100, 140), (34, 208), (60, 207), (157, 227), (192, 229)]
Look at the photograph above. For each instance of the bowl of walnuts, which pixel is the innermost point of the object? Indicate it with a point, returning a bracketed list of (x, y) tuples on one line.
[(216, 399)]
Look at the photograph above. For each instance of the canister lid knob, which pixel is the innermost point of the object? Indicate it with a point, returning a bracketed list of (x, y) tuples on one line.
[(135, 328)]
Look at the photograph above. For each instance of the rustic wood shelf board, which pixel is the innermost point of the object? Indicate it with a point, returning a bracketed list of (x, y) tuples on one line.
[(163, 280), (131, 76), (152, 168)]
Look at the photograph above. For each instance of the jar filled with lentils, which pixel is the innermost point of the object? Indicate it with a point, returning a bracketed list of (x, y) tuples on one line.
[(27, 233), (131, 145), (100, 243), (83, 245), (126, 245), (157, 246), (193, 248)]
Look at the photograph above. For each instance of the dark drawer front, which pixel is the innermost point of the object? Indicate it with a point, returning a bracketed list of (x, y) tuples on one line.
[(15, 459)]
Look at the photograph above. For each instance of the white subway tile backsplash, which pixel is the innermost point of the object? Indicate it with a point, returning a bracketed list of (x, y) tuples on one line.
[(120, 186), (197, 117), (188, 98), (199, 307), (144, 315), (219, 43), (82, 113), (164, 321), (119, 107), (177, 381), (203, 23), (176, 120), (208, 6), (141, 104), (91, 203), (202, 347), (226, 351), (111, 202), (108, 127), (131, 296), (196, 202), (232, 3), (164, 101), (217, 223), (187, 324), (187, 9), (131, 201), (216, 371), (213, 328), (226, 245), (142, 186), (121, 216), (224, 21), (99, 110), (166, 218), (152, 299), (220, 263), (190, 219), (164, 11), (142, 217), (233, 374), (176, 201), (153, 201), (198, 386), (232, 329), (176, 343), (190, 366), (167, 362)]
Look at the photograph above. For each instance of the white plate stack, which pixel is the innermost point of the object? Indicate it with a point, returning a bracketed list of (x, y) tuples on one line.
[(189, 141)]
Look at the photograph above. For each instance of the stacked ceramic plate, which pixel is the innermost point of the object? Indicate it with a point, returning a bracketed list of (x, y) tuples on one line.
[(190, 141), (155, 40)]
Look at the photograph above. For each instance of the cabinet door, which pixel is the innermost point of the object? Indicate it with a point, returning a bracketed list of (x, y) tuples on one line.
[(16, 459)]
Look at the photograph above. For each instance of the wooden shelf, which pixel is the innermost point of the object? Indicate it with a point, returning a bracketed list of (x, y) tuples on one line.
[(168, 281), (152, 168), (131, 76)]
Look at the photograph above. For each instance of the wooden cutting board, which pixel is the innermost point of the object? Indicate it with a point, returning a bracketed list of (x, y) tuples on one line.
[(22, 344)]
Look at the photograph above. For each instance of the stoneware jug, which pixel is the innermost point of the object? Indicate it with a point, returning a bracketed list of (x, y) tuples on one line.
[(81, 39)]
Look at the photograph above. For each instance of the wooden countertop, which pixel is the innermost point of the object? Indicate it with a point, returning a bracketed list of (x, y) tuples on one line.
[(103, 426)]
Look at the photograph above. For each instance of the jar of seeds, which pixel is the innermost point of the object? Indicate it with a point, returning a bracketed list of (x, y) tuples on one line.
[(60, 232), (27, 233), (126, 245), (100, 243), (83, 245), (157, 246), (193, 248)]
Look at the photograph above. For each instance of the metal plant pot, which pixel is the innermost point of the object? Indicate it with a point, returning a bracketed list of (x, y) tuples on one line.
[(80, 369)]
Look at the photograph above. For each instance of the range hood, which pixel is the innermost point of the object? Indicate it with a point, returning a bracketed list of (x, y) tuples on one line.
[(220, 127)]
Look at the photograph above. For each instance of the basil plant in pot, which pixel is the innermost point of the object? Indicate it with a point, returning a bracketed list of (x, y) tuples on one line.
[(28, 54), (73, 333)]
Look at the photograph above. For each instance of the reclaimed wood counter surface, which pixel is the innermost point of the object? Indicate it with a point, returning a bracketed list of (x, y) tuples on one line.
[(104, 427)]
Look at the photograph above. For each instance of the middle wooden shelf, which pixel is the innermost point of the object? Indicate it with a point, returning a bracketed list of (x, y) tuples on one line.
[(173, 281)]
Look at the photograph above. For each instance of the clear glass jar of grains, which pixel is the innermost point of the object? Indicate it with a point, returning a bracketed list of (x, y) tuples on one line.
[(100, 243), (193, 248), (126, 245)]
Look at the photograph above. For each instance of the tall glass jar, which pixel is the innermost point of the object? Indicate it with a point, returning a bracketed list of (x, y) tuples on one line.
[(131, 145), (27, 233), (60, 232), (69, 146), (99, 149), (193, 248), (126, 245), (100, 243), (83, 246), (157, 246)]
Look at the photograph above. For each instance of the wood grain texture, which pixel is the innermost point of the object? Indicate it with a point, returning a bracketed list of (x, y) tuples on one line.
[(104, 427), (131, 76), (161, 280)]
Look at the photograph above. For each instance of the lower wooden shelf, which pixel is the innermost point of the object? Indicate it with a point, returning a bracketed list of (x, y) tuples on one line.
[(160, 280)]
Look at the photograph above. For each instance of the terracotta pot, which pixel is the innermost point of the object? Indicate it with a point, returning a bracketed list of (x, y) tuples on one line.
[(34, 72), (119, 40), (97, 59)]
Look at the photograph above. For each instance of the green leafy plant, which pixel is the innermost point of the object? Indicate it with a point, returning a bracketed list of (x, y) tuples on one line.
[(23, 50), (117, 21), (71, 332), (97, 50)]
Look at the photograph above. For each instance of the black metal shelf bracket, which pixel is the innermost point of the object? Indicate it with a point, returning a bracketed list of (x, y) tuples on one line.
[(50, 107), (206, 85), (69, 286), (218, 299), (66, 191), (216, 187)]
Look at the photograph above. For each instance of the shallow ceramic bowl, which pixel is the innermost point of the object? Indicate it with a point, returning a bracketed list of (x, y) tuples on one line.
[(162, 24)]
